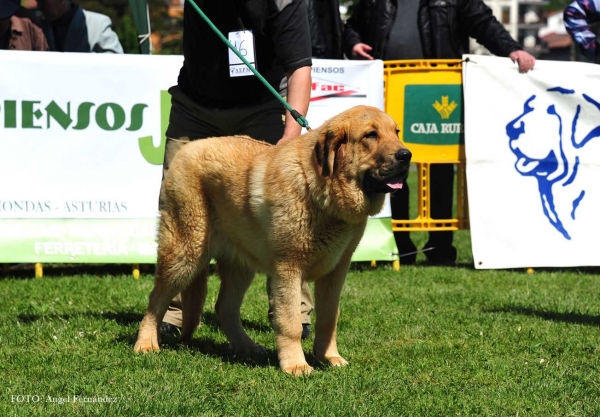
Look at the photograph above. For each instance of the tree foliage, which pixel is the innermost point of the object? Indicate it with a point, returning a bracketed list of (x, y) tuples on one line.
[(557, 4)]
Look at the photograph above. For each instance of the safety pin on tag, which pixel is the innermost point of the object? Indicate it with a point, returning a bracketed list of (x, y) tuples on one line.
[(243, 41)]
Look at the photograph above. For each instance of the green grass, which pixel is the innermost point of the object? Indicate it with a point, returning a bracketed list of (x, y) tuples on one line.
[(422, 341), (426, 340)]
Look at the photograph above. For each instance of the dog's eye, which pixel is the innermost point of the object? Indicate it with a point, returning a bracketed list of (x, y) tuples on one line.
[(397, 131), (372, 135)]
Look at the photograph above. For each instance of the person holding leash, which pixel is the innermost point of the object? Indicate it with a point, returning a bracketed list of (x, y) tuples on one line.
[(217, 95)]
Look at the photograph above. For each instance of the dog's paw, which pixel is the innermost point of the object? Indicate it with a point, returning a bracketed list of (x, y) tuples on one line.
[(337, 361), (298, 370), (145, 347)]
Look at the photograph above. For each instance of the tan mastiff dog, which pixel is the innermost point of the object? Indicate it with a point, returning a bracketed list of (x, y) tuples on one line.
[(295, 211)]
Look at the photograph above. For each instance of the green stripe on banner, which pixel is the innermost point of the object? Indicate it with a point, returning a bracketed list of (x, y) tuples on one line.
[(128, 241), (78, 240)]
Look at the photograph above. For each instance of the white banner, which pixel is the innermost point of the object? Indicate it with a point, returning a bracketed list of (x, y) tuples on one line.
[(82, 138), (69, 130), (533, 151), (338, 85)]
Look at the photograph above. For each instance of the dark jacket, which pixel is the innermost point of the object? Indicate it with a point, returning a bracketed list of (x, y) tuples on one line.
[(325, 28), (444, 27)]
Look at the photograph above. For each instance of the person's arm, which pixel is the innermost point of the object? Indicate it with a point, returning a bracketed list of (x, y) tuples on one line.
[(352, 43), (314, 25), (577, 17), (479, 21), (101, 36), (108, 41), (298, 97), (39, 42), (291, 37)]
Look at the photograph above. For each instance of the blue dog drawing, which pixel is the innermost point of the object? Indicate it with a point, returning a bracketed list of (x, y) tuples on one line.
[(554, 161)]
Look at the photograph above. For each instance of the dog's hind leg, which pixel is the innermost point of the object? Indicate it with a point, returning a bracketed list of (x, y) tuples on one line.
[(235, 280), (192, 300), (177, 265), (160, 297)]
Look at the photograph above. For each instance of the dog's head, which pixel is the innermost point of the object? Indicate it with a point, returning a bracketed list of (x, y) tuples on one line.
[(361, 145)]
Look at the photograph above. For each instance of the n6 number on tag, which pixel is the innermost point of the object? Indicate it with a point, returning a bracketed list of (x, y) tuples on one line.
[(243, 41)]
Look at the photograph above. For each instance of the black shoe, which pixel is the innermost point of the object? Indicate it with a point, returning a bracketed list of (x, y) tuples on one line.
[(168, 330), (305, 330), (442, 256)]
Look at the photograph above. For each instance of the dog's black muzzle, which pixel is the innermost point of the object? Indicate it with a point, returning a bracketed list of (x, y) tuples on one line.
[(389, 176)]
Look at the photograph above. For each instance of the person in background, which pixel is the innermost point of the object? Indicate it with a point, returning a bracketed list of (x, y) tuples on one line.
[(69, 28), (578, 18), (210, 100), (325, 28), (19, 33), (427, 29)]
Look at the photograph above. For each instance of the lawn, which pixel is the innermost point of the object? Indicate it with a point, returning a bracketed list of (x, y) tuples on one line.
[(422, 341)]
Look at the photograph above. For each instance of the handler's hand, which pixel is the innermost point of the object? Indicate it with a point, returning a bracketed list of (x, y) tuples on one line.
[(525, 60), (360, 51)]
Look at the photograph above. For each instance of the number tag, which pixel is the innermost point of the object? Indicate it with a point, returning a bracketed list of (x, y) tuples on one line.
[(244, 42)]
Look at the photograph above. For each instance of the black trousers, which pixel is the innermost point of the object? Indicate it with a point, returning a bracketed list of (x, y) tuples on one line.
[(187, 119), (441, 194)]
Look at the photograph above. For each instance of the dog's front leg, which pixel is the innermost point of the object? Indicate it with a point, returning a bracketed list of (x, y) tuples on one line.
[(327, 301), (286, 295)]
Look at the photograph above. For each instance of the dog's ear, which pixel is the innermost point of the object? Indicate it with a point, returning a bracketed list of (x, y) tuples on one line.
[(329, 145)]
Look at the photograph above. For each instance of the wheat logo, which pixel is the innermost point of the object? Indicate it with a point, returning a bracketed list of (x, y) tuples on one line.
[(445, 109)]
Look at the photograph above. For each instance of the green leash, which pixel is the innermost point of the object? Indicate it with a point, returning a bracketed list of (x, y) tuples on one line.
[(295, 114)]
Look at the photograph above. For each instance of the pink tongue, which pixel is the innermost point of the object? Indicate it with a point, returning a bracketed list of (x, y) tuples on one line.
[(395, 185)]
